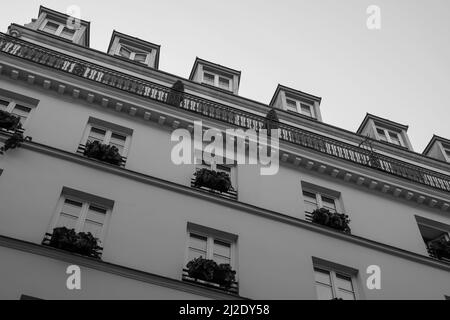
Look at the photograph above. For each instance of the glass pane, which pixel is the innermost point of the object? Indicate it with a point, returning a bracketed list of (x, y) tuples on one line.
[(448, 153), (221, 259), (208, 78), (140, 57), (198, 242), (194, 253), (51, 27), (97, 134), (222, 248), (71, 207), (224, 83), (124, 52), (306, 110), (344, 282), (382, 134), (22, 112), (394, 138), (3, 104), (329, 203), (309, 196), (67, 33), (324, 292), (346, 295), (310, 206), (322, 276), (291, 104), (96, 214), (118, 141), (66, 220), (93, 227)]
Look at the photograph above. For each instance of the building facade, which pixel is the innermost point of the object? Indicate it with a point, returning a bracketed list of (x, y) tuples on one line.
[(94, 129)]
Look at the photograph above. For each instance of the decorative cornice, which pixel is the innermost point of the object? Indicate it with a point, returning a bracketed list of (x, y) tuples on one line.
[(118, 270)]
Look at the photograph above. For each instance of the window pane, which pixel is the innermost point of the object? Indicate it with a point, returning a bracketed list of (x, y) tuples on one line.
[(72, 207), (324, 292), (124, 52), (291, 105), (309, 196), (67, 33), (306, 110), (344, 282), (3, 104), (395, 139), (118, 141), (222, 248), (381, 134), (140, 57), (329, 203), (97, 134), (346, 295), (322, 276), (67, 221), (69, 214), (208, 78), (194, 253), (198, 242), (224, 83), (447, 151), (221, 259), (51, 27), (22, 112)]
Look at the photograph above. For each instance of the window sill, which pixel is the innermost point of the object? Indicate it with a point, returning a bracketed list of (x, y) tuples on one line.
[(234, 289)]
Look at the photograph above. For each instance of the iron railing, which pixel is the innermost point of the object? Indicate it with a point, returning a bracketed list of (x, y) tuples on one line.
[(221, 112)]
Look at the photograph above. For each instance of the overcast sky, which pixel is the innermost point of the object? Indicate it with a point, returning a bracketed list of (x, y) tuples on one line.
[(322, 47)]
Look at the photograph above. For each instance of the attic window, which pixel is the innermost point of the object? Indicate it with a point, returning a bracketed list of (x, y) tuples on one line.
[(216, 80), (300, 107), (133, 54), (390, 136), (58, 29)]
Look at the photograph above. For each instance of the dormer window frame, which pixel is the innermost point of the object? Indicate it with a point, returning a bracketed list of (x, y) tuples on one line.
[(446, 151), (299, 105), (387, 136), (133, 52), (217, 78), (59, 30)]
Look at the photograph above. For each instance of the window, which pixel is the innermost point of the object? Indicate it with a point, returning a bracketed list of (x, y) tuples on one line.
[(58, 29), (316, 200), (108, 133), (432, 233), (211, 244), (331, 284), (217, 80), (389, 136), (447, 152), (133, 54), (83, 213), (300, 107), (16, 108)]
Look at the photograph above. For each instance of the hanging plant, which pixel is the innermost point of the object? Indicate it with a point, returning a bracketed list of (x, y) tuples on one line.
[(9, 121), (81, 242), (14, 141), (102, 152), (325, 217), (175, 96), (215, 180)]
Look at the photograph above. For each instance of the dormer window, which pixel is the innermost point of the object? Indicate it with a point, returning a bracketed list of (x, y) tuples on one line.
[(217, 80), (133, 54), (300, 107), (438, 148), (390, 136), (58, 29), (447, 152), (215, 75)]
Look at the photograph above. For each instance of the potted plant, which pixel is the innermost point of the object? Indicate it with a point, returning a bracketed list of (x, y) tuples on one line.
[(176, 94), (338, 221), (200, 268), (440, 248), (81, 243), (14, 141), (271, 121), (215, 180), (103, 152), (224, 275), (9, 121)]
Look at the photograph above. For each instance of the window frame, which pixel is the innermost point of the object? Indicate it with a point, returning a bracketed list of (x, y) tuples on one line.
[(216, 82), (13, 103), (387, 136), (59, 30), (298, 107), (446, 152), (83, 214), (133, 51), (211, 236), (319, 200), (107, 138), (333, 275)]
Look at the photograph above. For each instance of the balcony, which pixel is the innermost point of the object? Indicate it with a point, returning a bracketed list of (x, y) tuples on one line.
[(220, 112)]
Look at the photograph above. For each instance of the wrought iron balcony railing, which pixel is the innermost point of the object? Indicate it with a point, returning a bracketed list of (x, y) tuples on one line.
[(217, 111)]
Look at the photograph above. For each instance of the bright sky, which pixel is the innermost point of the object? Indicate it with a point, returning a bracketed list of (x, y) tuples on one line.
[(323, 47)]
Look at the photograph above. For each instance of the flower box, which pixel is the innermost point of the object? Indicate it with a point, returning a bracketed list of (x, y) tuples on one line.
[(440, 248), (208, 270), (82, 243), (103, 152), (214, 180), (338, 221), (9, 121)]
